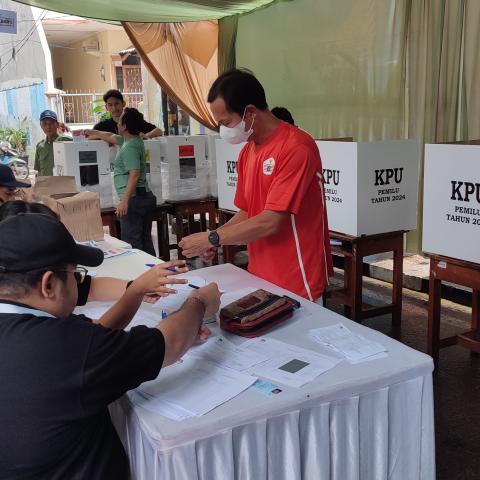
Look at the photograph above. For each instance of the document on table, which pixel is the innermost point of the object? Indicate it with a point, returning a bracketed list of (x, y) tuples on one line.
[(354, 347), (225, 354), (190, 388), (288, 364)]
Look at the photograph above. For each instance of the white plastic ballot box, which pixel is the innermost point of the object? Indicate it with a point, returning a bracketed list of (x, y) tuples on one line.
[(90, 163), (370, 187), (451, 201)]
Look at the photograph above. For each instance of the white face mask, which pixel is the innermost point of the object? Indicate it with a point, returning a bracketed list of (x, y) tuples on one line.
[(236, 134)]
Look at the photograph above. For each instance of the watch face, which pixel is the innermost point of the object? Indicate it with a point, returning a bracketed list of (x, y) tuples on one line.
[(214, 239)]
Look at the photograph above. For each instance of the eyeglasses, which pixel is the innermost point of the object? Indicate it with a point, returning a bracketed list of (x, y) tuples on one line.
[(79, 273)]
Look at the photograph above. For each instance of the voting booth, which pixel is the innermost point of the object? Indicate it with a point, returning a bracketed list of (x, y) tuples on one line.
[(90, 163), (370, 187), (451, 202), (227, 177)]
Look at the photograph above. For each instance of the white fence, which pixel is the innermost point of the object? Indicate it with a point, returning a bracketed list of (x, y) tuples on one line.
[(78, 108)]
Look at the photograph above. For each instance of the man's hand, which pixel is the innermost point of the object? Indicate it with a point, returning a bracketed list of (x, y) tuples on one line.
[(154, 283), (210, 297), (203, 334), (122, 209), (195, 245)]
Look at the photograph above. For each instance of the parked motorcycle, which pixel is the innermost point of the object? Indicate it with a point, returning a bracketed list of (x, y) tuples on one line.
[(9, 156)]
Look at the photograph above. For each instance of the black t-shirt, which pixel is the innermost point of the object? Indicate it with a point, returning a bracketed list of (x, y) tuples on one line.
[(57, 378), (111, 126)]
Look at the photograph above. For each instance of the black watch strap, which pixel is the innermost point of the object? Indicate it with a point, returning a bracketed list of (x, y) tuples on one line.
[(214, 238)]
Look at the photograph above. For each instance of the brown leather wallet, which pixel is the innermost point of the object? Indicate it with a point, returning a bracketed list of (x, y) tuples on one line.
[(256, 313)]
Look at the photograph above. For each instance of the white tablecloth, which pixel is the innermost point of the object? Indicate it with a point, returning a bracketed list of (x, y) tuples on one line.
[(369, 421)]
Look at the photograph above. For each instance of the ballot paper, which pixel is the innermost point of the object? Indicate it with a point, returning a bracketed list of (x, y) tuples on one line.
[(174, 302), (191, 388), (108, 251), (224, 353), (353, 347), (288, 364)]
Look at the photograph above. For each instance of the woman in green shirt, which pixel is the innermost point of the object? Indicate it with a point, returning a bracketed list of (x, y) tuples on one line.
[(130, 180)]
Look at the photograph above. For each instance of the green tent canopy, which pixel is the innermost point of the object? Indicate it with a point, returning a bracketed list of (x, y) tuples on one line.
[(149, 11)]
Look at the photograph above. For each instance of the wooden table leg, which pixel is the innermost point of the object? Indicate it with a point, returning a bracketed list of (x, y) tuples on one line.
[(163, 237), (434, 306), (180, 234), (397, 289), (347, 283), (110, 221), (356, 287), (212, 225)]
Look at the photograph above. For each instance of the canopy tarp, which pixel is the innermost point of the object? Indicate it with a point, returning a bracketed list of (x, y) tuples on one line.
[(155, 11)]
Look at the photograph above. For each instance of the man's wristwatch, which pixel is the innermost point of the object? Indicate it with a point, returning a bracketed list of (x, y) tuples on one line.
[(214, 238)]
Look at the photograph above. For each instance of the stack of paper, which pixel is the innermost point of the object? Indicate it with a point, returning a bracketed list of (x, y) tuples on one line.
[(225, 354), (190, 388), (352, 346), (288, 364)]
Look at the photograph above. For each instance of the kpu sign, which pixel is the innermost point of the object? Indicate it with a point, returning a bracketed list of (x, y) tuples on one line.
[(8, 21), (227, 176), (370, 187), (451, 203)]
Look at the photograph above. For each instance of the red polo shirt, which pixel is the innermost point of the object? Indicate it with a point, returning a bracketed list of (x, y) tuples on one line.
[(285, 174)]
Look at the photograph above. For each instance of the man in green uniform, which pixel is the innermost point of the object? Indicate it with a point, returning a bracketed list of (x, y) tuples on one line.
[(44, 150)]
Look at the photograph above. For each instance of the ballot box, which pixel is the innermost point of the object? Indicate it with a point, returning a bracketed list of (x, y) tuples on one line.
[(90, 163), (451, 201), (370, 187)]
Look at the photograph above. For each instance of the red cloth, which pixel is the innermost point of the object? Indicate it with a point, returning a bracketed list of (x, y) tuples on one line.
[(285, 174)]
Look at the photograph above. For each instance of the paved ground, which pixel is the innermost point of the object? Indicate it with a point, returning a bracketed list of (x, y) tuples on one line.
[(456, 381)]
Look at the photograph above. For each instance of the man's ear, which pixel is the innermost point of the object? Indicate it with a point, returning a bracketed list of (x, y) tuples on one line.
[(46, 284)]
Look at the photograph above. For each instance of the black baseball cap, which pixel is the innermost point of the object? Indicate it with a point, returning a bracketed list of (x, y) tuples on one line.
[(7, 178), (32, 241)]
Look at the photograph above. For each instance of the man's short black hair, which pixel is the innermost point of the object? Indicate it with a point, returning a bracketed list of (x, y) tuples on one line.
[(18, 285), (113, 94), (133, 120), (283, 114), (238, 88)]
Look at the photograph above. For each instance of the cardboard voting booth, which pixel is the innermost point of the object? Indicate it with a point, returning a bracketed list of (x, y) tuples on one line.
[(79, 212), (370, 187), (153, 155), (227, 177), (451, 201), (90, 163)]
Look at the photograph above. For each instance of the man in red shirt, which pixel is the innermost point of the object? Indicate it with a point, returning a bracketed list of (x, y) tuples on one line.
[(282, 217)]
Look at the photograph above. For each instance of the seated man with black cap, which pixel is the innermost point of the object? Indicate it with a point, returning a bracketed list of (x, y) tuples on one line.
[(9, 184), (59, 371)]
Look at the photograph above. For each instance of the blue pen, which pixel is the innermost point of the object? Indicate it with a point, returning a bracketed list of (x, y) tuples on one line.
[(193, 286), (150, 265), (164, 314)]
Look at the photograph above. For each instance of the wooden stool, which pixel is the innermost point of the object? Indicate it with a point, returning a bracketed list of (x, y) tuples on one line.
[(109, 219), (462, 273), (353, 249), (229, 251), (187, 209)]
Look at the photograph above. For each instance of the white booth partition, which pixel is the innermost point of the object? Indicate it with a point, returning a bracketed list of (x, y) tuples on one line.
[(451, 203), (370, 187)]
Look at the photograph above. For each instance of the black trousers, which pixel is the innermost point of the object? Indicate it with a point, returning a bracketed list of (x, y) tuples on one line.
[(136, 227)]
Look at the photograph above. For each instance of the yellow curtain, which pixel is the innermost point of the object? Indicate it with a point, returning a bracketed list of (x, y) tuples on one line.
[(183, 58)]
